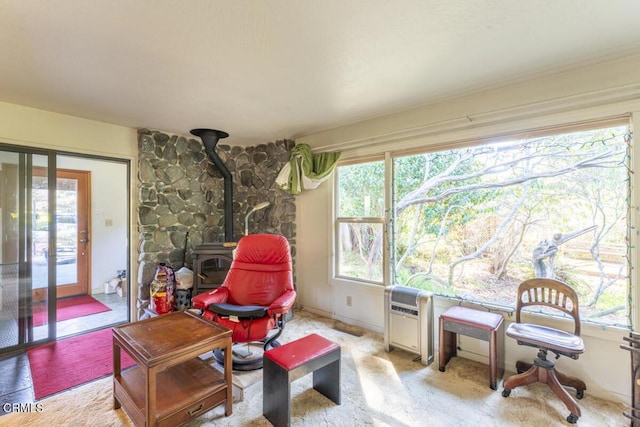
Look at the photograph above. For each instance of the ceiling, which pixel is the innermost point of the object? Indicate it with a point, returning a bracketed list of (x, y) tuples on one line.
[(266, 70)]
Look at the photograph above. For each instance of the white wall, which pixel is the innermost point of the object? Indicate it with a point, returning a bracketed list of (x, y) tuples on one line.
[(591, 93), (314, 253), (590, 86), (38, 128)]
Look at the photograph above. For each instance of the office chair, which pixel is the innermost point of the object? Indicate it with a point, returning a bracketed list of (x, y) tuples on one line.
[(254, 299), (558, 296)]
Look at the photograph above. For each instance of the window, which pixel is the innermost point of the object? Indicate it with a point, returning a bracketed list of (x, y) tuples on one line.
[(472, 223), (360, 222)]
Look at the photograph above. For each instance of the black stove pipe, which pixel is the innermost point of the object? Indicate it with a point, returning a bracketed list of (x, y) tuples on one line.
[(210, 139)]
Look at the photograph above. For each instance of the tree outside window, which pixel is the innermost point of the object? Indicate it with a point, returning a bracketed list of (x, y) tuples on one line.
[(472, 223)]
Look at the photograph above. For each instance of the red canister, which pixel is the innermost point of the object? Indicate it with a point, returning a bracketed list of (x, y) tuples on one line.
[(160, 303)]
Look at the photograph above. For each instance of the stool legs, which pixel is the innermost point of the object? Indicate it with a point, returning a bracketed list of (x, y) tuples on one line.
[(496, 356), (276, 392), (495, 337), (276, 385), (324, 381), (447, 344)]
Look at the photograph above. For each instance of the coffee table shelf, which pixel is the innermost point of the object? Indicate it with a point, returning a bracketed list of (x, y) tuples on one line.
[(170, 384)]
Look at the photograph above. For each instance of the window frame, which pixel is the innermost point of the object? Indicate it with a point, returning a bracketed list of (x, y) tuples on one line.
[(383, 220), (487, 134)]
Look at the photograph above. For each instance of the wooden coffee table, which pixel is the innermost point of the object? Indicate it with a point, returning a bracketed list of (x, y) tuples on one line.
[(170, 384)]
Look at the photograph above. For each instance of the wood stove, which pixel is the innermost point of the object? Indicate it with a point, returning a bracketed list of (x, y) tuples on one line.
[(211, 264)]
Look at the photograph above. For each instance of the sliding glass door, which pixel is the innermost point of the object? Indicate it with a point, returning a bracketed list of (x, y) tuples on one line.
[(25, 230), (59, 213)]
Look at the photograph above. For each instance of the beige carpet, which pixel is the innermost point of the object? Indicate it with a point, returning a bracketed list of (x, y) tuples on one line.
[(378, 389)]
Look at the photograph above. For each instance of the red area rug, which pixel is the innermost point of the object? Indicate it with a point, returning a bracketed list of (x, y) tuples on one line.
[(73, 361), (69, 308)]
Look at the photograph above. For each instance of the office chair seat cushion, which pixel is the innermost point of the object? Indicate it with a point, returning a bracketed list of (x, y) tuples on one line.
[(240, 311), (544, 337)]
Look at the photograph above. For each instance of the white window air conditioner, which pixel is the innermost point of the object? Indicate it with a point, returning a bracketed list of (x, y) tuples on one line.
[(408, 322)]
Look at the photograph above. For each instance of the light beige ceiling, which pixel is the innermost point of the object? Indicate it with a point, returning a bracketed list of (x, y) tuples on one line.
[(270, 69)]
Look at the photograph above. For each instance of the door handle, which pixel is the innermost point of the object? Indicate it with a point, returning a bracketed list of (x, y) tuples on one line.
[(84, 240)]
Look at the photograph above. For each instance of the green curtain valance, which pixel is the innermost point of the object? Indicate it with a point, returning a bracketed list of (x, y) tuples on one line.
[(306, 170)]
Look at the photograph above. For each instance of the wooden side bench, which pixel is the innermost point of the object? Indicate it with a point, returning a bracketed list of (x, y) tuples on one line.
[(477, 324), (284, 364)]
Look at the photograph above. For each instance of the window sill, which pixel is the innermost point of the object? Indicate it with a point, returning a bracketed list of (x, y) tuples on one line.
[(588, 330), (341, 281)]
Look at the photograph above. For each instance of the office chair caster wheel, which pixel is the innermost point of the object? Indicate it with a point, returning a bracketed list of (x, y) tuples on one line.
[(579, 394), (506, 392), (572, 418)]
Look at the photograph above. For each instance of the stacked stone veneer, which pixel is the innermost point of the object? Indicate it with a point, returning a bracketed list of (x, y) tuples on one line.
[(181, 198)]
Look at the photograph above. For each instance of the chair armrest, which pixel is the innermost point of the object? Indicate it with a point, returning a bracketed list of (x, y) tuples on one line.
[(283, 303), (240, 311), (205, 299)]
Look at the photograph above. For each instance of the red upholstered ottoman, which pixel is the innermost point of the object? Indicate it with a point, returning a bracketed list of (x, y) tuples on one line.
[(290, 361)]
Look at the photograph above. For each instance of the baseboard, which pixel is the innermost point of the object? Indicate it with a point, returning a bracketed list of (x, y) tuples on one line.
[(354, 322)]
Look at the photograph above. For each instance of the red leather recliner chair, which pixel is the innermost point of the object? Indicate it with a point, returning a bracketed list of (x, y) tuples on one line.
[(254, 298)]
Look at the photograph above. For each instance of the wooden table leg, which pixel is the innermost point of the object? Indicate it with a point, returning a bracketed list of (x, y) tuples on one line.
[(228, 363), (152, 375), (116, 371)]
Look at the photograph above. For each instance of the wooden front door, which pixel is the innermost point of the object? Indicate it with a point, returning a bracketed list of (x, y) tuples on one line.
[(73, 247)]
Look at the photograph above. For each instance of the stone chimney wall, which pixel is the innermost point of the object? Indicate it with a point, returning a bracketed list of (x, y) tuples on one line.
[(181, 198)]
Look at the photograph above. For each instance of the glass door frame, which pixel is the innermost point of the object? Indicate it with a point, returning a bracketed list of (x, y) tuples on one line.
[(24, 234), (25, 239)]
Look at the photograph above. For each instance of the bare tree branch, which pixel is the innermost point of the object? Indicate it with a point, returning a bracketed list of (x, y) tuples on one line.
[(420, 195), (505, 221), (607, 312)]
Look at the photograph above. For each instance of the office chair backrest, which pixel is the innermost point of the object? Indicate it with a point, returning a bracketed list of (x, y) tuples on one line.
[(261, 270), (549, 293)]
